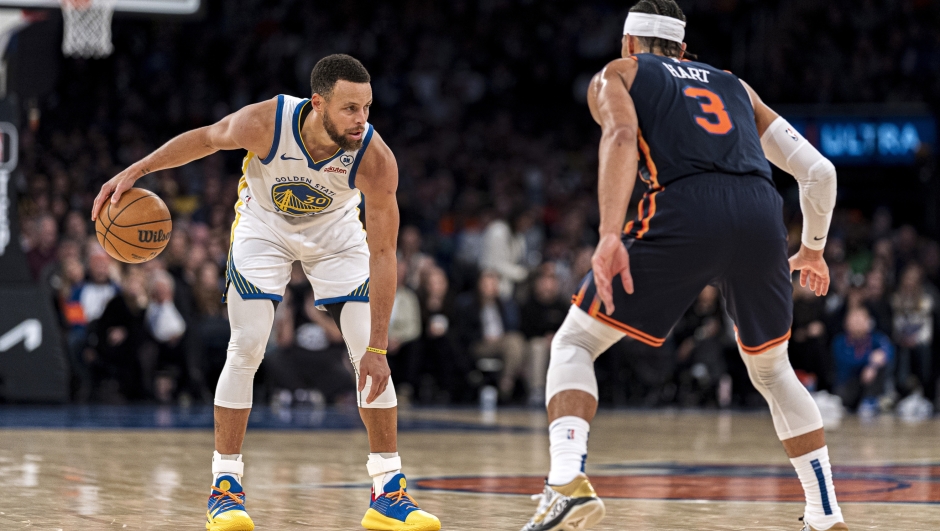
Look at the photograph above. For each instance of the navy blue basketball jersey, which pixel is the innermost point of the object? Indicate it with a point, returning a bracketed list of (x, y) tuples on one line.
[(694, 119)]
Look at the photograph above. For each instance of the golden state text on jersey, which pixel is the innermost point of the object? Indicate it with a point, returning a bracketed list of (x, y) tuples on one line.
[(299, 196), (289, 181)]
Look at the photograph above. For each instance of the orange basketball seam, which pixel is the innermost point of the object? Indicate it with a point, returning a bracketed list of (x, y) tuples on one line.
[(108, 242), (125, 206), (108, 228), (142, 223)]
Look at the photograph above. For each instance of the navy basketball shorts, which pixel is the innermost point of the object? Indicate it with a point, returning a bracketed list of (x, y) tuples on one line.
[(722, 230)]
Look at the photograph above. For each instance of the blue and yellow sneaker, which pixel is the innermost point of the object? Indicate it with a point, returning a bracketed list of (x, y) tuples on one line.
[(227, 507), (396, 510)]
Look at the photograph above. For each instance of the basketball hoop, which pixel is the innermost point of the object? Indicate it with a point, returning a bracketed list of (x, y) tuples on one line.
[(87, 28)]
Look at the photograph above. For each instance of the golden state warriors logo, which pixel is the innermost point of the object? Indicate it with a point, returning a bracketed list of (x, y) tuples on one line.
[(299, 199)]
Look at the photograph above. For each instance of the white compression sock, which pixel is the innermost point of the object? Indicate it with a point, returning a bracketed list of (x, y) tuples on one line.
[(822, 511), (383, 467), (568, 437)]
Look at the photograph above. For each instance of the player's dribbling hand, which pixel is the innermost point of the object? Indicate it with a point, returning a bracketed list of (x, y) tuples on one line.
[(610, 259), (116, 186), (376, 366), (813, 270)]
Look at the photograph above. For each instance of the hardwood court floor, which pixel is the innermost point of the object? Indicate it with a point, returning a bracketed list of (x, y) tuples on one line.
[(658, 470)]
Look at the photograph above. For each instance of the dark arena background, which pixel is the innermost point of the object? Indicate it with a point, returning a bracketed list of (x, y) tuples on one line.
[(106, 418)]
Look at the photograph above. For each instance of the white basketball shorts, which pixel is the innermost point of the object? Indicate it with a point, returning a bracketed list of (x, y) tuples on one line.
[(331, 247)]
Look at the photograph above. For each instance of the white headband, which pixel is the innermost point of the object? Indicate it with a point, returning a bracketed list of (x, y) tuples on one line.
[(647, 25)]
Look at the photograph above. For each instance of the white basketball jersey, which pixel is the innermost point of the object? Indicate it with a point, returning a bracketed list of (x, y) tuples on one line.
[(289, 182)]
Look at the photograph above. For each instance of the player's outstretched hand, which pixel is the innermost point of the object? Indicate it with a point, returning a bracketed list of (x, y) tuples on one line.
[(116, 186), (376, 366), (611, 259), (813, 270)]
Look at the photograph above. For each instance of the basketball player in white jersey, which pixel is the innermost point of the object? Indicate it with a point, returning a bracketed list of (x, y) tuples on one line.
[(309, 164)]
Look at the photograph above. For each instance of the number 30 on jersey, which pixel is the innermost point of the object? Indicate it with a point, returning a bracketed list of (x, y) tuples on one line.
[(716, 119)]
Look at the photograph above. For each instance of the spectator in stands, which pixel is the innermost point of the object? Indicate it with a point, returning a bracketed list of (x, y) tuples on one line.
[(409, 252), (84, 306), (875, 297), (449, 366), (310, 363), (504, 252), (167, 327), (542, 314), (122, 337), (862, 357), (76, 226), (404, 331), (209, 325), (809, 340), (489, 327), (914, 310), (45, 241), (702, 338)]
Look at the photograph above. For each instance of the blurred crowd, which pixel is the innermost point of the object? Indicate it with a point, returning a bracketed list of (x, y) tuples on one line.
[(483, 104)]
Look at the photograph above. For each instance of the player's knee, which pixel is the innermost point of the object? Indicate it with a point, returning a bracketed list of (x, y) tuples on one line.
[(246, 348), (582, 331), (356, 325), (793, 409), (570, 368), (769, 367), (578, 342), (386, 400)]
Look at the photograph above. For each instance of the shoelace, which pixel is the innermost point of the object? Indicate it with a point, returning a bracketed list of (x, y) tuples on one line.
[(544, 499), (224, 499), (400, 496)]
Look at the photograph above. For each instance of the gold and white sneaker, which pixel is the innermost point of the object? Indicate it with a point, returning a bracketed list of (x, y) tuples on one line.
[(571, 507), (838, 527)]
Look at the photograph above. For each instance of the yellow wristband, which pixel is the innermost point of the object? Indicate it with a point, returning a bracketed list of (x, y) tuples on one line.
[(376, 350)]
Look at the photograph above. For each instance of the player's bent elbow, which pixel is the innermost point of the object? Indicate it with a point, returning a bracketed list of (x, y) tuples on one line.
[(622, 134), (824, 183)]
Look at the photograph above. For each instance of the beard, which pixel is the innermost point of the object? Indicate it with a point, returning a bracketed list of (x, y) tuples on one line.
[(339, 137)]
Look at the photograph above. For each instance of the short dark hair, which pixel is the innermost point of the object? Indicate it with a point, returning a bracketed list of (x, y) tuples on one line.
[(666, 8), (333, 68)]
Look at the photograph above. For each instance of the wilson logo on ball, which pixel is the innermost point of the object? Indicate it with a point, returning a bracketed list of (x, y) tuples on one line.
[(152, 236)]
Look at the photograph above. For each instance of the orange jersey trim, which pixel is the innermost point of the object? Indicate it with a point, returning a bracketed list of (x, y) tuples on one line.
[(577, 299), (642, 337), (595, 306), (754, 351), (650, 165), (646, 221)]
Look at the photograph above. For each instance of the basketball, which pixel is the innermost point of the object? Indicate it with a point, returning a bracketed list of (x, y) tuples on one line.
[(136, 229)]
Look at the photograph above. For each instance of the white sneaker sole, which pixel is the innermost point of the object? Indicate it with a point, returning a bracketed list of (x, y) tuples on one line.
[(584, 516)]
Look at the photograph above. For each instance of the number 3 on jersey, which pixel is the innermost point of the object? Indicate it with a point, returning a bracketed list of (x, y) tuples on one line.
[(718, 122)]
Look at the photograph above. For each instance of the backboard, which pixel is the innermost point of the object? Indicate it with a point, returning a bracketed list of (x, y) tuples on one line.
[(161, 7)]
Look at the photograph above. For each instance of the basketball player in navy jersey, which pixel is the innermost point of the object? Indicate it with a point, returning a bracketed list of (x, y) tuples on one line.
[(711, 215), (298, 200)]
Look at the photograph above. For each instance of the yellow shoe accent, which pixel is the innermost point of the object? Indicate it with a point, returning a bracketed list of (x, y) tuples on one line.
[(230, 521), (416, 521)]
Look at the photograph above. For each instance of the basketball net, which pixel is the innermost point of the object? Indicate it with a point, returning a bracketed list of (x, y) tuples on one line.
[(87, 28)]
